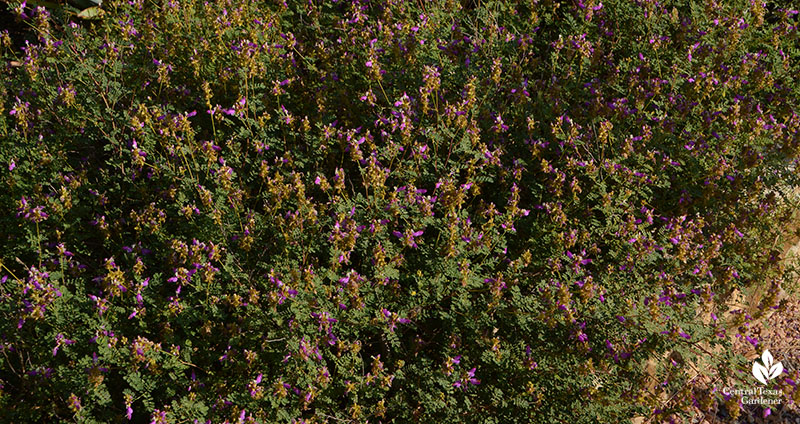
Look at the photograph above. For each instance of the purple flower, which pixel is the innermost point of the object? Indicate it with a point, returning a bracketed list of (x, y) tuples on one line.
[(469, 379), (408, 237)]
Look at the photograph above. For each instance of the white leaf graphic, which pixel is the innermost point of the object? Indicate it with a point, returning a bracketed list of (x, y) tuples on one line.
[(767, 358), (760, 372), (776, 370)]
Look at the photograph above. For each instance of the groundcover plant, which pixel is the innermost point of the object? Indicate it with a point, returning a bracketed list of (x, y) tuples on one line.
[(389, 211)]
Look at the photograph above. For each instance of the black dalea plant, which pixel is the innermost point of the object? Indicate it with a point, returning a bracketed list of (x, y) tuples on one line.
[(384, 211)]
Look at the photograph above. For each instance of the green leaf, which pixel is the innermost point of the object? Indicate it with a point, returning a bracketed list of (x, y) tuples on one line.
[(92, 13)]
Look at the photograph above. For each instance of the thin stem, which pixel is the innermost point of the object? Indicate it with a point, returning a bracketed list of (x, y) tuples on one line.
[(39, 242), (2, 265)]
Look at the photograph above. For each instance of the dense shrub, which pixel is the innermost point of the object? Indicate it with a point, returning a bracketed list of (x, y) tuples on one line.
[(387, 211)]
